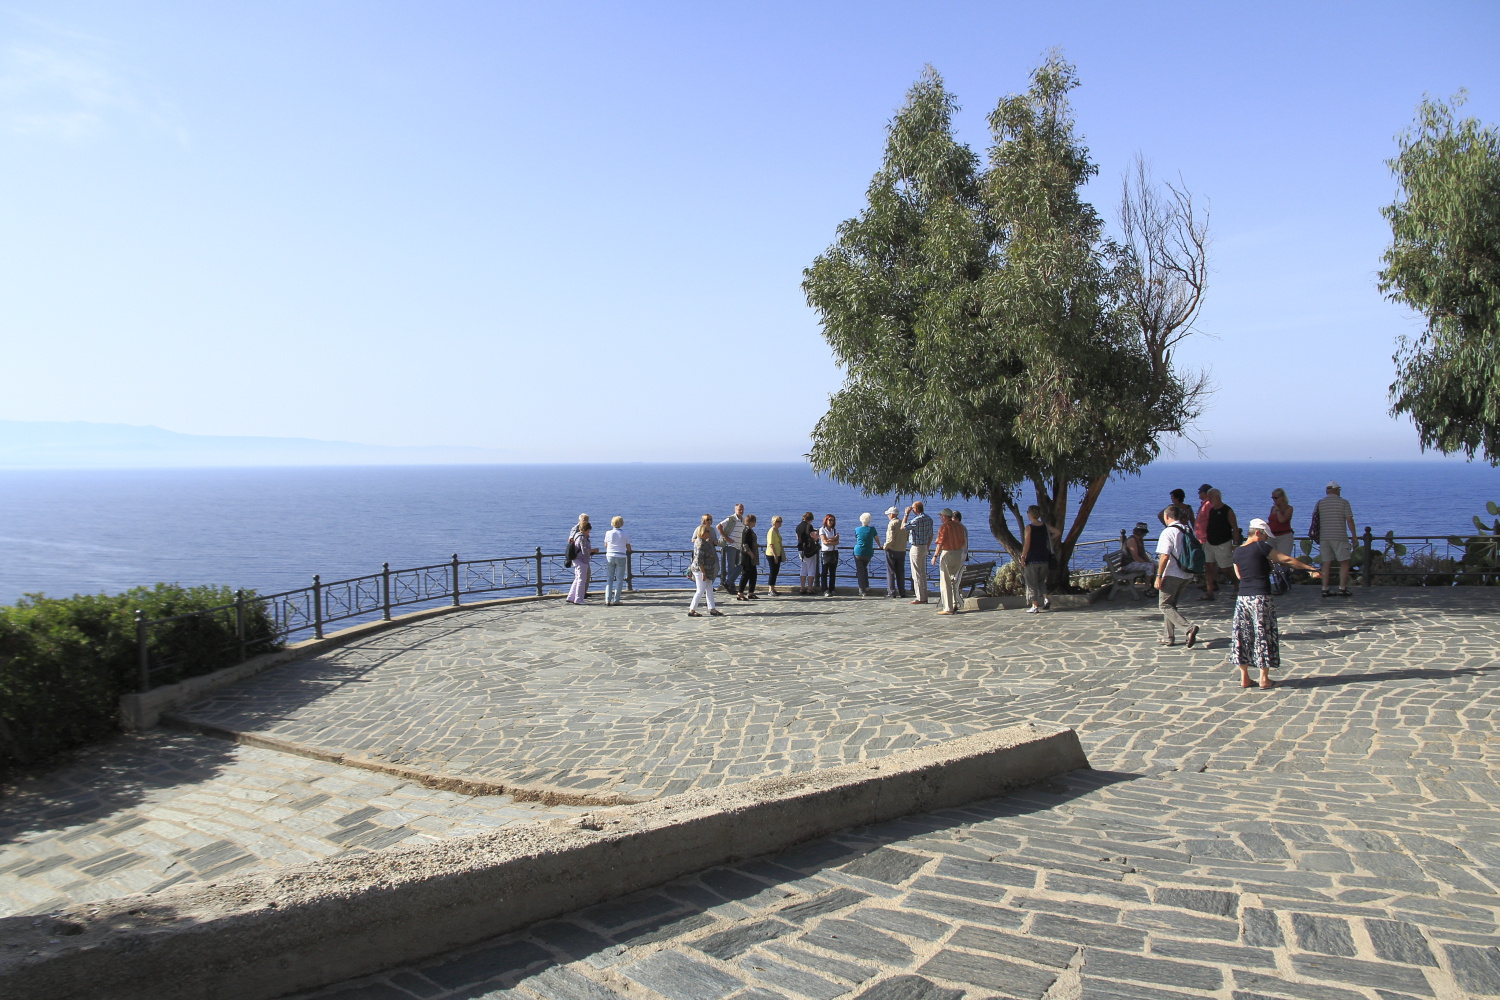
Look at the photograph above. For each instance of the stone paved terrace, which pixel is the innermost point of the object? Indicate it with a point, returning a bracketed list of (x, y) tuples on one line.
[(1331, 839)]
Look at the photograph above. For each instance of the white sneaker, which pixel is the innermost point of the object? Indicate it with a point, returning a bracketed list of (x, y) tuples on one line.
[(1031, 610)]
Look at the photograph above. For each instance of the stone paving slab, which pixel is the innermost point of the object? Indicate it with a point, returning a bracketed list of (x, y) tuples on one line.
[(639, 701), (153, 809), (1335, 839)]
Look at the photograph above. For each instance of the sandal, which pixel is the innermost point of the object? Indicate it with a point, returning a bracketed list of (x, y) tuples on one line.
[(694, 614), (1343, 592), (1268, 685), (716, 612)]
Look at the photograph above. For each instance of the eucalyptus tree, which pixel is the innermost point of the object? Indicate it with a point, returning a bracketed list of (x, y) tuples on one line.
[(992, 337), (1444, 262)]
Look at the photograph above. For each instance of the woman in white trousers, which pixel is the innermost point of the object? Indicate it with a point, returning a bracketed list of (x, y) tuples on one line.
[(704, 568)]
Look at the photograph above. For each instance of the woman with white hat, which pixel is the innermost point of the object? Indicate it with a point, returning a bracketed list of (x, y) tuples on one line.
[(1256, 642)]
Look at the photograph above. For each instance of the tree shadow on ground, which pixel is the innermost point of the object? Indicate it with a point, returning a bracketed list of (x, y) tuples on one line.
[(91, 784), (1327, 634), (1411, 673)]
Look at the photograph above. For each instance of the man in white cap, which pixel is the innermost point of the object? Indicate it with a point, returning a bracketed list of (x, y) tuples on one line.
[(1333, 514), (896, 537)]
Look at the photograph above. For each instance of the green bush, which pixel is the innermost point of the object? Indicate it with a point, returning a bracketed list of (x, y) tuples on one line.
[(65, 662)]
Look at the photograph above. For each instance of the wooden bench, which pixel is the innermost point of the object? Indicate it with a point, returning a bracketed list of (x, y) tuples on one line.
[(975, 574), (1121, 576)]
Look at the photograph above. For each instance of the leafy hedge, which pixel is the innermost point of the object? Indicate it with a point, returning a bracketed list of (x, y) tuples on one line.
[(64, 662)]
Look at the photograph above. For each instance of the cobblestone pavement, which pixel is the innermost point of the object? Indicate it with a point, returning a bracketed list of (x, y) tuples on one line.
[(1334, 839), (642, 701), (147, 811)]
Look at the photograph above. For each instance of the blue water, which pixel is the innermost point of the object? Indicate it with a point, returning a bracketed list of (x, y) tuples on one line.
[(65, 532)]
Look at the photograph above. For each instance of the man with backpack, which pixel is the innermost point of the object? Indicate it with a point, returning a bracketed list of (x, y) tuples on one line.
[(1179, 557)]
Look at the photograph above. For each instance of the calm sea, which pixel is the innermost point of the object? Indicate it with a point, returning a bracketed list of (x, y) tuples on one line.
[(65, 532)]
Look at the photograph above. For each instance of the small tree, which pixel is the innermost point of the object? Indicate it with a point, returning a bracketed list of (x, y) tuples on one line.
[(1444, 262), (991, 336)]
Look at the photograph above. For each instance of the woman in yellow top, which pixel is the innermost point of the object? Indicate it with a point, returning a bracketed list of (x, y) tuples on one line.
[(775, 553)]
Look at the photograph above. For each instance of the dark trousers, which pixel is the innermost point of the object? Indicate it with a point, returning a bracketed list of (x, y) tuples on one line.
[(731, 567), (829, 575), (895, 573), (749, 573), (862, 573), (773, 566)]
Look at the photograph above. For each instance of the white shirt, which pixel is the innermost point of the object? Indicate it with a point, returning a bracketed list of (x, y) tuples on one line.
[(826, 537), (615, 543), (1171, 544)]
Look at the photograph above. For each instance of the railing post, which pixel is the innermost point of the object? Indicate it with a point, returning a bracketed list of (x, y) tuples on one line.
[(1369, 570), (317, 607), (239, 621), (1122, 539), (385, 590), (144, 658), (539, 571), (629, 571), (455, 579)]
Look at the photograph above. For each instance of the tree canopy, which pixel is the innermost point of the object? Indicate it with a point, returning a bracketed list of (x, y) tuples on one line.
[(991, 336), (1444, 262)]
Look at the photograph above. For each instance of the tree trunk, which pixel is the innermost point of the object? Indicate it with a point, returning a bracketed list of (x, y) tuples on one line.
[(1065, 551), (1000, 502)]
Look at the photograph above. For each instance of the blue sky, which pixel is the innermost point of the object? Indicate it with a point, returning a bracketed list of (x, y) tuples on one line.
[(577, 231)]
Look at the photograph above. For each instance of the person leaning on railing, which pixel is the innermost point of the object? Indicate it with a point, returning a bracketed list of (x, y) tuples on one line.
[(775, 553), (616, 560)]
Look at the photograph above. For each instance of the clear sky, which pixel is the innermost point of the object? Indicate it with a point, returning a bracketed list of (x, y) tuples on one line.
[(578, 231)]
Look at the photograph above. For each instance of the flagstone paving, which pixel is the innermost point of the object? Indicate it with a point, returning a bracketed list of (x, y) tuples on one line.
[(1335, 839), (1338, 837)]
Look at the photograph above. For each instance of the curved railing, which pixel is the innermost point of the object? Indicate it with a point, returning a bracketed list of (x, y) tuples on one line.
[(259, 622)]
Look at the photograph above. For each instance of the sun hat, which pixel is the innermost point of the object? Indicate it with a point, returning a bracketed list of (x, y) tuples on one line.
[(1141, 528), (891, 512), (1259, 524)]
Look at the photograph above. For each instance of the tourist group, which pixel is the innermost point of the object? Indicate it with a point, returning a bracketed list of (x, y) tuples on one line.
[(1206, 543), (1209, 543), (730, 553)]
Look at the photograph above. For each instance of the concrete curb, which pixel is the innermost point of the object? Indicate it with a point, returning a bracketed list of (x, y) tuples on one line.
[(462, 784), (1060, 602), (266, 935)]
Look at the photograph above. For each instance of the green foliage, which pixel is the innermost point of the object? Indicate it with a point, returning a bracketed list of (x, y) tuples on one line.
[(65, 662), (1444, 262), (978, 318)]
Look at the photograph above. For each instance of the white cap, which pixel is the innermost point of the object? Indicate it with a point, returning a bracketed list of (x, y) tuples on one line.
[(1332, 485), (1259, 524), (891, 512)]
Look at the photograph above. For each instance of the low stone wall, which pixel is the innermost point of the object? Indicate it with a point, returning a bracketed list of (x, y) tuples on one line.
[(305, 926)]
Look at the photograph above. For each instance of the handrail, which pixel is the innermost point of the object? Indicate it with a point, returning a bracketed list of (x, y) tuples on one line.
[(302, 609)]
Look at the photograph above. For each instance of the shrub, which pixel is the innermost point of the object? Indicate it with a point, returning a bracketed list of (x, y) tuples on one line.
[(65, 662)]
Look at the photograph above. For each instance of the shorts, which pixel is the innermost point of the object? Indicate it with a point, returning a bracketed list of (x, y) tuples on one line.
[(1221, 555), (1335, 548)]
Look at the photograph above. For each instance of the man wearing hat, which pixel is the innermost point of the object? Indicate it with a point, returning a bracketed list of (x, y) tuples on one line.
[(1332, 514), (896, 536), (948, 556)]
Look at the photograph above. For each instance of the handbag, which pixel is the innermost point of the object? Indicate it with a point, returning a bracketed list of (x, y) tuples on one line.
[(570, 554), (1279, 580)]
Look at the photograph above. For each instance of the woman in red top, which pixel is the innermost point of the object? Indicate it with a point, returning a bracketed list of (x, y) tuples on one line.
[(1281, 522)]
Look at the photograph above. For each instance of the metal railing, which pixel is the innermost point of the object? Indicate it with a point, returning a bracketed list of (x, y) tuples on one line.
[(256, 623)]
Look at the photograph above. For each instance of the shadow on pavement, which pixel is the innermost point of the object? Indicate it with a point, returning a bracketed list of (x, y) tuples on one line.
[(1414, 673)]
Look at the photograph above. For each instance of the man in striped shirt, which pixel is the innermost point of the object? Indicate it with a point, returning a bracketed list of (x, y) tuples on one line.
[(1334, 513)]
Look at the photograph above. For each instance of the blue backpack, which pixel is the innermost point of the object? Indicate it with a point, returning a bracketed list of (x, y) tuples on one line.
[(1195, 562)]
